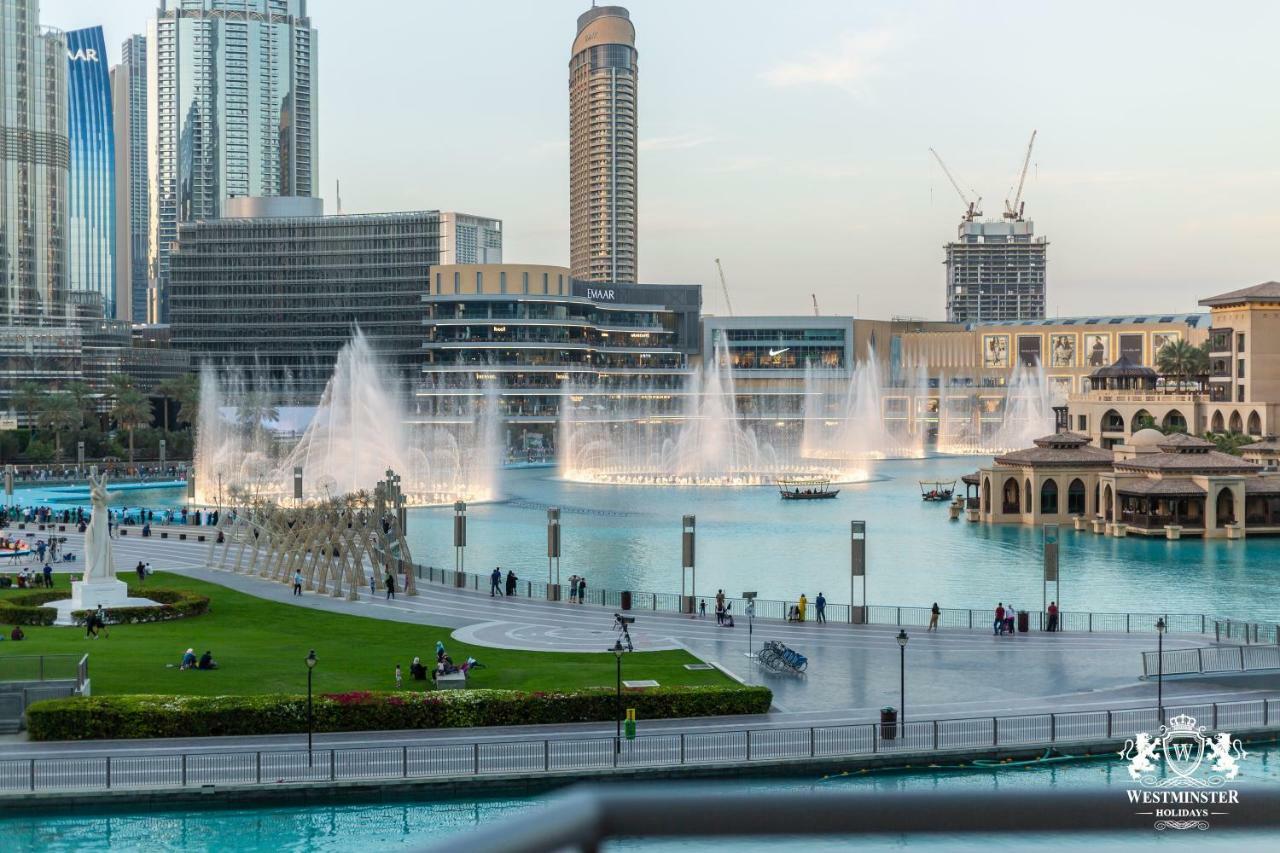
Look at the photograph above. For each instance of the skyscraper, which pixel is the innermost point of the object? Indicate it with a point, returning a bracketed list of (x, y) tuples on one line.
[(996, 271), (231, 89), (129, 110), (467, 239), (92, 199), (34, 164), (603, 75)]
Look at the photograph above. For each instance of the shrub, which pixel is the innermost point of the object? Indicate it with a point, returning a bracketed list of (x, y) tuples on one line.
[(95, 717), (27, 609), (173, 604)]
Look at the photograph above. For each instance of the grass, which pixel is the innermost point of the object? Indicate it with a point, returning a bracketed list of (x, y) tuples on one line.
[(260, 646)]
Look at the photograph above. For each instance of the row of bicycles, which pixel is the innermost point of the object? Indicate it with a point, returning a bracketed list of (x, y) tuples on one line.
[(779, 658)]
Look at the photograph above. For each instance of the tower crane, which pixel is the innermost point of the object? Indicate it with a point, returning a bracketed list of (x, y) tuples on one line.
[(972, 205), (1014, 210), (724, 286), (814, 297)]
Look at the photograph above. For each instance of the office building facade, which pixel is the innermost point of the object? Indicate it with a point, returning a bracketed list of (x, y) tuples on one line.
[(275, 295), (231, 88), (603, 77), (996, 271), (467, 239), (129, 114), (91, 210), (34, 166)]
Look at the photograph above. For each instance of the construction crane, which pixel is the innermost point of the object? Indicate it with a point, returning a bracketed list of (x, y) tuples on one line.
[(1014, 210), (972, 205), (814, 297), (725, 287)]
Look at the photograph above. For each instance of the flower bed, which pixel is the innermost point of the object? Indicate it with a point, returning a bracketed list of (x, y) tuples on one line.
[(96, 717)]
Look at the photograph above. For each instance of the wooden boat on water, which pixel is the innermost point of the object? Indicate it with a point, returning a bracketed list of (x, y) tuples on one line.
[(806, 489), (937, 490)]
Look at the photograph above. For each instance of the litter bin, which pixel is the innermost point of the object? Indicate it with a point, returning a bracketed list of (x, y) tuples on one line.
[(625, 601), (1024, 622), (888, 723)]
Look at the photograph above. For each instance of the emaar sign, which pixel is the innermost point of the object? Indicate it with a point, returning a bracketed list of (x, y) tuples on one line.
[(84, 54)]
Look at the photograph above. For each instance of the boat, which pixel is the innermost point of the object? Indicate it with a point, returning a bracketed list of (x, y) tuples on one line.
[(806, 488), (937, 490)]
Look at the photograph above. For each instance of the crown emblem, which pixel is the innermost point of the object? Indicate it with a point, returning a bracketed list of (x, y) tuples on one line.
[(1182, 723)]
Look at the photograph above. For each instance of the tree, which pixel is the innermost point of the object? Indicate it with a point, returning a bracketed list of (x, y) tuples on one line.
[(83, 396), (29, 397), (1181, 361), (256, 408), (59, 413), (130, 410), (1229, 442), (185, 391)]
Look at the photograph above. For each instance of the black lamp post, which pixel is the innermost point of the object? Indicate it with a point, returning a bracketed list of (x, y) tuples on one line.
[(1160, 627), (902, 676), (311, 665), (617, 740)]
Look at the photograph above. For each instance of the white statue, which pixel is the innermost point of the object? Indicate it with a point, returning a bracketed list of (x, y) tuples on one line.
[(99, 563)]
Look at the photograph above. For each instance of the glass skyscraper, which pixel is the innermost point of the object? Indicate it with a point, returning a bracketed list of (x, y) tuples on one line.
[(129, 102), (34, 162), (91, 211), (231, 95)]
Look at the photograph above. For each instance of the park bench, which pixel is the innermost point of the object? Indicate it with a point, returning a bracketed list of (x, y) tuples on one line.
[(452, 681)]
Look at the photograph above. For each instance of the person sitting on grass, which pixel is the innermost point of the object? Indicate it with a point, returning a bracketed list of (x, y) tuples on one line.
[(207, 661), (188, 660), (417, 670), (17, 633)]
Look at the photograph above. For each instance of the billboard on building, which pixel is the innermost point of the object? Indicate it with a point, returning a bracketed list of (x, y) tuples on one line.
[(91, 207)]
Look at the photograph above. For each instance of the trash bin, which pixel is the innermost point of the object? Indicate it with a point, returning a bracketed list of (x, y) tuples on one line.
[(1024, 622), (888, 723), (625, 602)]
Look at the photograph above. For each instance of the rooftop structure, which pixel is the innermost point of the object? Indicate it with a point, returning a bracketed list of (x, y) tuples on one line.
[(996, 272)]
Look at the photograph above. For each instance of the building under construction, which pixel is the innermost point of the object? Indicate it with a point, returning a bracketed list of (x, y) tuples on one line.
[(996, 271)]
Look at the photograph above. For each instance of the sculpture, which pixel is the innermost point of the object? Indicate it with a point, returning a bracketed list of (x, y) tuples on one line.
[(99, 563)]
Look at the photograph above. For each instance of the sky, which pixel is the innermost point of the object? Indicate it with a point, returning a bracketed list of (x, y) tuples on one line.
[(791, 140)]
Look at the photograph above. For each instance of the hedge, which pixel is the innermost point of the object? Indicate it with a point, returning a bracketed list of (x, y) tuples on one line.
[(26, 609), (145, 716)]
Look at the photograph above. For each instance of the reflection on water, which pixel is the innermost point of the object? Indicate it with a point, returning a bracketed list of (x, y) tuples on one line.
[(405, 825), (629, 538)]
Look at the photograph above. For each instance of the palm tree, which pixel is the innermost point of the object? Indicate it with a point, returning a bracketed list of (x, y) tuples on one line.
[(1182, 361), (58, 413), (185, 391), (256, 408), (83, 395), (28, 397), (130, 410)]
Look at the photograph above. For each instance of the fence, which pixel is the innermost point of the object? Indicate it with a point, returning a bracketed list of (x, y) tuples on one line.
[(453, 760), (1211, 659), (44, 668), (906, 617)]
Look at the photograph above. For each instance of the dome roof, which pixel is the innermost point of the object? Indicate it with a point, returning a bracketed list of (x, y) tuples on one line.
[(1146, 438)]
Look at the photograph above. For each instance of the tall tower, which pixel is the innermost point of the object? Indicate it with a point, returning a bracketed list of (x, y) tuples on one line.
[(603, 74), (92, 200), (129, 111), (231, 94), (996, 271), (34, 166)]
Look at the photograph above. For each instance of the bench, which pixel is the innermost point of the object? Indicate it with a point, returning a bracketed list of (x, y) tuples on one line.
[(452, 681)]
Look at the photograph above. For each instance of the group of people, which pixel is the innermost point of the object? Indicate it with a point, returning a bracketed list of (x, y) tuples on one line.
[(577, 589), (189, 661), (75, 472), (499, 587), (799, 611), (30, 579), (1005, 620), (96, 623), (444, 666)]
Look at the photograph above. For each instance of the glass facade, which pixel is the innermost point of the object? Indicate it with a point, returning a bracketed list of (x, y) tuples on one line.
[(34, 165), (232, 84), (92, 198), (129, 110)]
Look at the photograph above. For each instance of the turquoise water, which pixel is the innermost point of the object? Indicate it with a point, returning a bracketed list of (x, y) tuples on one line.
[(413, 823), (60, 497), (749, 539)]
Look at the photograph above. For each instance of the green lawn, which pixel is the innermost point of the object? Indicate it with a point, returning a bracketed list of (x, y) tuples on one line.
[(260, 646)]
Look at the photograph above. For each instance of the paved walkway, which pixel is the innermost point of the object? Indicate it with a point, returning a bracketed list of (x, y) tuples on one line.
[(853, 670)]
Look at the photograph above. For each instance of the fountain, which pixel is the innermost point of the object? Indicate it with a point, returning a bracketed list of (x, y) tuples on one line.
[(360, 430), (1006, 421)]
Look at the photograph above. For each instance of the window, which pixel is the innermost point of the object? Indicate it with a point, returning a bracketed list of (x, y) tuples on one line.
[(502, 282), (1239, 368), (479, 282), (457, 282), (1239, 393), (1082, 423), (525, 276), (1239, 341)]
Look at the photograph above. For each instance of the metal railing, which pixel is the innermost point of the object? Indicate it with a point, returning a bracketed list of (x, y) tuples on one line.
[(1211, 659), (455, 760), (1222, 630), (43, 667)]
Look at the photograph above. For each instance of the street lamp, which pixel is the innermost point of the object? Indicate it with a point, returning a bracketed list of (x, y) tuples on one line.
[(751, 616), (902, 676), (1160, 628), (617, 740), (311, 665)]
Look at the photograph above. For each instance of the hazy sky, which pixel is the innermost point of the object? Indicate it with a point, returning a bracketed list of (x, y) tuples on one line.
[(791, 139)]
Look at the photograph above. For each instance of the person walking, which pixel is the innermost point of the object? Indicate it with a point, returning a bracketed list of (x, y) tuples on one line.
[(801, 606), (511, 582), (934, 613), (1053, 616), (297, 583), (391, 586), (998, 626), (582, 590), (1009, 614), (573, 589), (373, 584), (495, 582), (702, 608), (719, 602)]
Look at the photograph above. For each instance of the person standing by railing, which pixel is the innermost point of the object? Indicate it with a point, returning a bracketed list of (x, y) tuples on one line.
[(1053, 616), (934, 613), (820, 605)]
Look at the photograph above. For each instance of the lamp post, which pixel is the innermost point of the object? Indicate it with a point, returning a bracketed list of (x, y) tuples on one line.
[(617, 740), (902, 677), (311, 665), (751, 616), (1160, 627)]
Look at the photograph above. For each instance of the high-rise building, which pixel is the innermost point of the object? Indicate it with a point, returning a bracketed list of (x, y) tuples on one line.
[(34, 166), (129, 111), (603, 73), (231, 94), (996, 271), (466, 239), (91, 211)]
